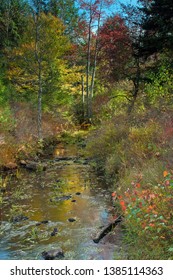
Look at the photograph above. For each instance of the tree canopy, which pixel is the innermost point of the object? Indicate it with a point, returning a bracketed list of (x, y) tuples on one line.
[(157, 26)]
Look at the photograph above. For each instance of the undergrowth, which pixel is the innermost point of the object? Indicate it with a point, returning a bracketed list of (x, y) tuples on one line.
[(133, 154)]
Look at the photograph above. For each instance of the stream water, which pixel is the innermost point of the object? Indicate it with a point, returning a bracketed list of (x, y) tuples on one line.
[(38, 205)]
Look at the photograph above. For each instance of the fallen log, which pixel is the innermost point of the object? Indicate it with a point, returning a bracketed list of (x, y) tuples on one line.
[(107, 229), (65, 158)]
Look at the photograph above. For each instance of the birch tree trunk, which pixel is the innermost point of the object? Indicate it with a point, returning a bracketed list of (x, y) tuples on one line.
[(39, 73), (95, 60), (88, 68), (96, 52), (83, 98)]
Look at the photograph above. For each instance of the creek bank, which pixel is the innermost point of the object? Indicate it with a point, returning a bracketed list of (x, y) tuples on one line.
[(31, 155), (33, 165), (28, 154)]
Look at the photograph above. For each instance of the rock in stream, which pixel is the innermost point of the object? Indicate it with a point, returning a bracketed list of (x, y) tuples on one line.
[(53, 254)]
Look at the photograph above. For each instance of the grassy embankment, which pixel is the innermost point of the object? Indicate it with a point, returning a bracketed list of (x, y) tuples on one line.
[(135, 153)]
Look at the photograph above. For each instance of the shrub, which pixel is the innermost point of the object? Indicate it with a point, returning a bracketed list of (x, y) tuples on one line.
[(105, 145), (159, 90), (118, 145), (144, 140), (148, 214), (6, 120)]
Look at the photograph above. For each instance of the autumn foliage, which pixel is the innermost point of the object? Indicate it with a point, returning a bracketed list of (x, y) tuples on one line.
[(148, 214), (114, 48)]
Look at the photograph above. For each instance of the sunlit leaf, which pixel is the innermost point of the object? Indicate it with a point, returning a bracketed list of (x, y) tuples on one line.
[(165, 173)]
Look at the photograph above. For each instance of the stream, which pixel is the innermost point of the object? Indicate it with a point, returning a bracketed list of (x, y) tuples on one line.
[(61, 207)]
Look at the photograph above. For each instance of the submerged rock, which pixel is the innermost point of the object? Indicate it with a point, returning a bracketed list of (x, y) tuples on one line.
[(71, 220), (53, 254), (54, 232), (78, 193), (42, 222), (19, 218)]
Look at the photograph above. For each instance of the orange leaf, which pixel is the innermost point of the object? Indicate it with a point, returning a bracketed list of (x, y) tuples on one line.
[(165, 173), (140, 205), (144, 225), (151, 225), (114, 194), (123, 206), (138, 185)]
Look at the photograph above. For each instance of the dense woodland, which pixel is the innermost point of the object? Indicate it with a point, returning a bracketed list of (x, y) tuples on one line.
[(86, 69)]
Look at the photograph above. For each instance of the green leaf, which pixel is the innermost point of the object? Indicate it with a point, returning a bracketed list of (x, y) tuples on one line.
[(170, 249)]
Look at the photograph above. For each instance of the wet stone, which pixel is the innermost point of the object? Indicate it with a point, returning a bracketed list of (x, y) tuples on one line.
[(54, 232), (53, 254), (58, 180), (71, 220), (19, 218), (44, 222), (78, 193)]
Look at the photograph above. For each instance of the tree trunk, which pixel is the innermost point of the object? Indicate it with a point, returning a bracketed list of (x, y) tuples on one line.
[(40, 91), (96, 52), (39, 63), (136, 81), (83, 98), (88, 69), (95, 62)]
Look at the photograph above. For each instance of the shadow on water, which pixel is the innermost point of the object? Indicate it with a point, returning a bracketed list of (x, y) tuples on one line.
[(63, 206)]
